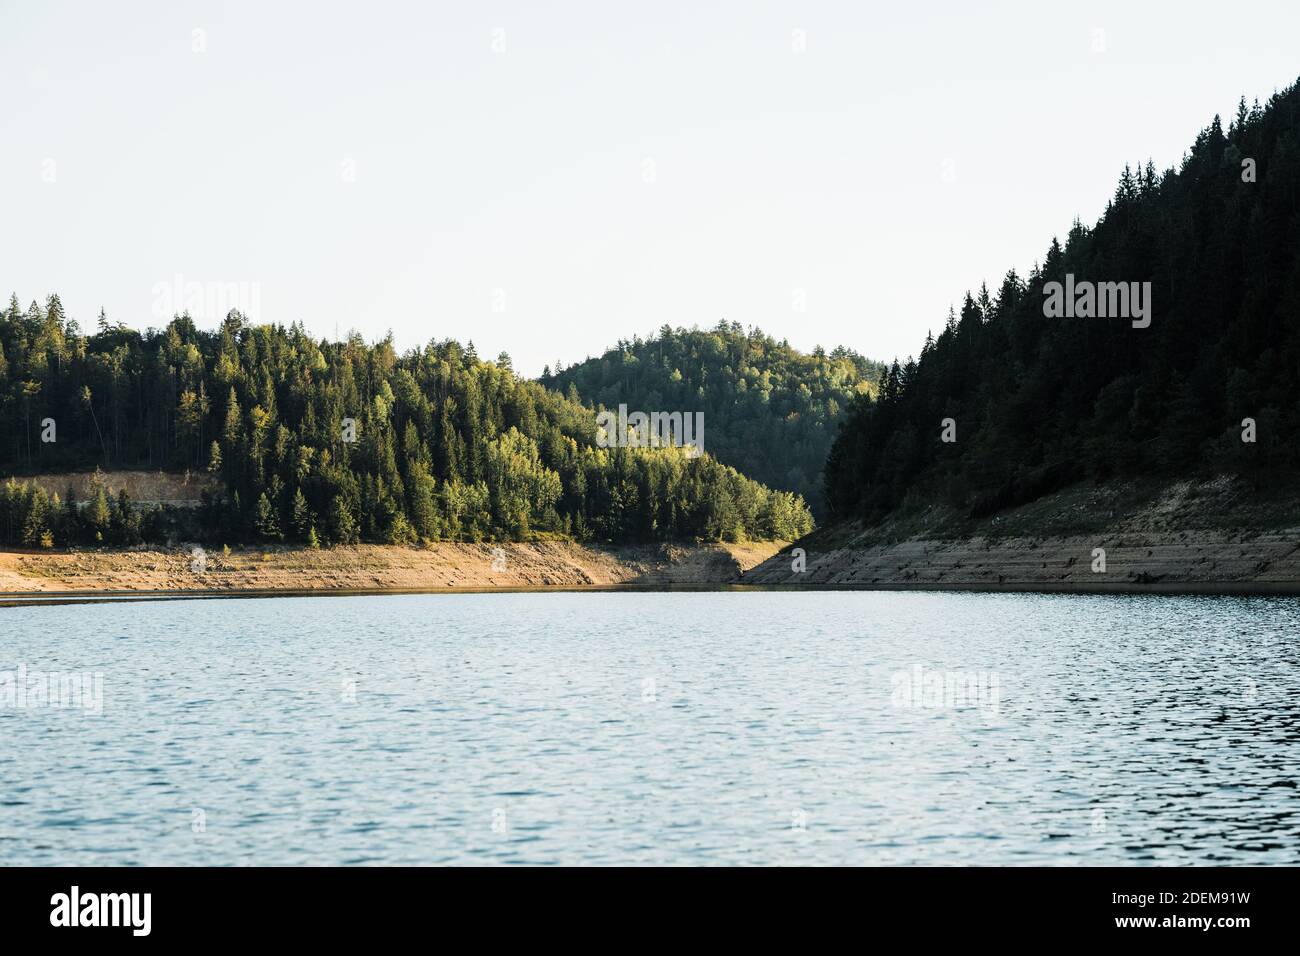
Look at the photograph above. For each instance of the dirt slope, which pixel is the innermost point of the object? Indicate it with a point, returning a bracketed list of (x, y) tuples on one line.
[(1215, 536), (144, 487), (375, 567)]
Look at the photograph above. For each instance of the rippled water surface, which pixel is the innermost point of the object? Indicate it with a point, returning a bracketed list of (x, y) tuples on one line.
[(707, 728)]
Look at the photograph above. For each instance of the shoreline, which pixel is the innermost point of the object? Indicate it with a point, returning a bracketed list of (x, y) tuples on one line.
[(189, 571), (1120, 562), (11, 599), (1202, 589), (1166, 561), (40, 598)]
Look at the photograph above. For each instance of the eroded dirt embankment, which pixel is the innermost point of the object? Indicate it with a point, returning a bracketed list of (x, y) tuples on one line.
[(184, 569), (1219, 536), (1192, 562)]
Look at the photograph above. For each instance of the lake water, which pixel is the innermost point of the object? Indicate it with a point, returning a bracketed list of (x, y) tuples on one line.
[(683, 728)]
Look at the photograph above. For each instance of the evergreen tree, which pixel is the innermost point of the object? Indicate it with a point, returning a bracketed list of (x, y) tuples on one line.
[(1043, 402), (343, 526), (302, 521), (265, 521), (364, 444), (98, 515)]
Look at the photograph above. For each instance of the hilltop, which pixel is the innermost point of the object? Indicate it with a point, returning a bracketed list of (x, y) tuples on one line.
[(770, 411)]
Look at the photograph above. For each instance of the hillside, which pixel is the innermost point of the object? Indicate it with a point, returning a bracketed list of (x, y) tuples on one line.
[(770, 411), (1217, 536), (1204, 384), (319, 442)]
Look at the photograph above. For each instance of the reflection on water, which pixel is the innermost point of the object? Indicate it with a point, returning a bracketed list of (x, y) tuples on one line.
[(608, 728)]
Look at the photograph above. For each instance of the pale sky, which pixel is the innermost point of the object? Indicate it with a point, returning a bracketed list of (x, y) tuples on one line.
[(547, 178)]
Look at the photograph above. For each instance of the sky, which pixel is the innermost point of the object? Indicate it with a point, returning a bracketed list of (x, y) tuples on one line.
[(547, 179)]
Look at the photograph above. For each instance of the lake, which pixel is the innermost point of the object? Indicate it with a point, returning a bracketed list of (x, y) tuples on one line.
[(652, 728)]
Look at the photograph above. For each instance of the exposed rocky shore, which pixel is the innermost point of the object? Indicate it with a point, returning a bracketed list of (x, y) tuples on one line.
[(1216, 536), (1189, 562)]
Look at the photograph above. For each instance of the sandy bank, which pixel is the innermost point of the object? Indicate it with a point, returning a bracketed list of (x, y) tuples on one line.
[(374, 568)]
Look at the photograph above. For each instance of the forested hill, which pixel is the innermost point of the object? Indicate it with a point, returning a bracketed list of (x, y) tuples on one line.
[(769, 410), (337, 442), (1039, 402)]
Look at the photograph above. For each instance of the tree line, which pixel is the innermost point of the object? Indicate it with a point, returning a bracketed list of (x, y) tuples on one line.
[(770, 410), (1037, 403), (320, 442)]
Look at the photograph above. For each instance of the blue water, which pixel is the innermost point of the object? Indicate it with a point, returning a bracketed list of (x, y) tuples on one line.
[(684, 728)]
